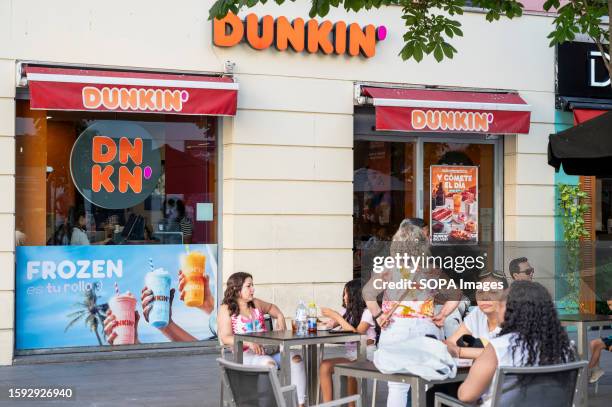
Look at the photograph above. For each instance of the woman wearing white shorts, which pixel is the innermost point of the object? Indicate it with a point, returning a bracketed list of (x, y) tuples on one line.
[(241, 312)]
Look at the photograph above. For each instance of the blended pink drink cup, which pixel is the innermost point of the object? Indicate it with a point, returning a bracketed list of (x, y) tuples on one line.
[(123, 307)]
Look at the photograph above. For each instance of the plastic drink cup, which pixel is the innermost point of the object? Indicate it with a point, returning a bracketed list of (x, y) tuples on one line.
[(293, 325), (193, 267), (158, 281), (123, 307), (457, 203)]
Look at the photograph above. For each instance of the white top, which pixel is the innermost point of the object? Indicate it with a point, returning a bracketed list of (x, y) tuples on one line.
[(351, 348), (79, 237), (476, 322), (505, 357), (368, 318)]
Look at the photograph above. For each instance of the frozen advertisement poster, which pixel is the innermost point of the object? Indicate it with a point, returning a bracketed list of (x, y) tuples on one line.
[(454, 204), (63, 294)]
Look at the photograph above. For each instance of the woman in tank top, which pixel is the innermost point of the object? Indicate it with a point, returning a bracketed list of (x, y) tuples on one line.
[(531, 335), (241, 312)]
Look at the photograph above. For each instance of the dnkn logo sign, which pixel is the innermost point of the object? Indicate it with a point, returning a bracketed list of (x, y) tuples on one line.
[(115, 164)]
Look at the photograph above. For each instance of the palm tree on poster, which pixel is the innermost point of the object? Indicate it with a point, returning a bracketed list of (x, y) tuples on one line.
[(91, 312)]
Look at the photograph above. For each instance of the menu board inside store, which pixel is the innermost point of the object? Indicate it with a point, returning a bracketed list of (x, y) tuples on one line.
[(454, 204)]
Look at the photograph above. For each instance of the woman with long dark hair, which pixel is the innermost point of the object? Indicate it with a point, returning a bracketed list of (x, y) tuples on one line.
[(354, 317), (241, 312), (531, 335)]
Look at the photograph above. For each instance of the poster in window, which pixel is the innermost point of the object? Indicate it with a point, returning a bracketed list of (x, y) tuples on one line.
[(454, 204), (155, 293)]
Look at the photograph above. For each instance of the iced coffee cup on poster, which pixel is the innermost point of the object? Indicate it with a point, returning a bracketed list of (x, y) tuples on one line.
[(123, 307), (158, 281), (193, 266), (457, 203)]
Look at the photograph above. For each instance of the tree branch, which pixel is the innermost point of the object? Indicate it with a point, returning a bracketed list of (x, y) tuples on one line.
[(605, 56)]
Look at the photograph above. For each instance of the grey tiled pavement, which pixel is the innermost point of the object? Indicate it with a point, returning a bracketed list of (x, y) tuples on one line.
[(183, 381)]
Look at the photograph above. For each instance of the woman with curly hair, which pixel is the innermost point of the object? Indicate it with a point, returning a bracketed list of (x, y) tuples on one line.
[(531, 335), (241, 312)]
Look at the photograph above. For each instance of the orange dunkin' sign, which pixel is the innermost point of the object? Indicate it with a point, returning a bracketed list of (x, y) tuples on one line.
[(114, 98), (451, 120), (301, 36)]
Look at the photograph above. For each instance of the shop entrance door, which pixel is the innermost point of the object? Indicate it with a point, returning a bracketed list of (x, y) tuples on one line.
[(392, 182)]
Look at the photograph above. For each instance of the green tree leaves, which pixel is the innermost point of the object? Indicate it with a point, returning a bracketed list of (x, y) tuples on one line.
[(584, 17), (428, 30), (578, 16)]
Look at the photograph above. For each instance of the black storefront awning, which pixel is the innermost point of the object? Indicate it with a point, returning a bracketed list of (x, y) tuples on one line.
[(585, 149)]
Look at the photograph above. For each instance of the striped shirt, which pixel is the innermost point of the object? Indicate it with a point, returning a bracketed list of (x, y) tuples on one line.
[(186, 226)]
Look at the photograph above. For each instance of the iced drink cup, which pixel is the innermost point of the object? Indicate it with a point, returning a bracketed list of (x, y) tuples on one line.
[(457, 203), (193, 267), (123, 307), (158, 281)]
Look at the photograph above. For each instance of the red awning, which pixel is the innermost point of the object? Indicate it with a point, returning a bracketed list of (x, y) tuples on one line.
[(123, 91), (421, 110), (582, 115)]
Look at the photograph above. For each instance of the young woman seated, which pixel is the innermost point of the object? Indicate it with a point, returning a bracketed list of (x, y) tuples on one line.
[(482, 323), (530, 335), (241, 312), (354, 317)]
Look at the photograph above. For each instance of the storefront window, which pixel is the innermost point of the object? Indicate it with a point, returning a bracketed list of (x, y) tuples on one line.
[(52, 211), (384, 188), (392, 182), (603, 209), (115, 213)]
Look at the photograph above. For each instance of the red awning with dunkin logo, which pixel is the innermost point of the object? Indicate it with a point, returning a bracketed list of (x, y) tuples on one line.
[(124, 91), (422, 110)]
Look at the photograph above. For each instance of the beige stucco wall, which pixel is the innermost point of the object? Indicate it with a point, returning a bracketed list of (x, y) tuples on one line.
[(7, 209), (287, 191), (287, 155)]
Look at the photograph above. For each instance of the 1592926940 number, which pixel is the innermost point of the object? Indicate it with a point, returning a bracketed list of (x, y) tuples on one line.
[(14, 393)]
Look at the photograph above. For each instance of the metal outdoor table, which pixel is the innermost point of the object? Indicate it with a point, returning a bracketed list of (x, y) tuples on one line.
[(287, 339), (366, 370), (583, 322)]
